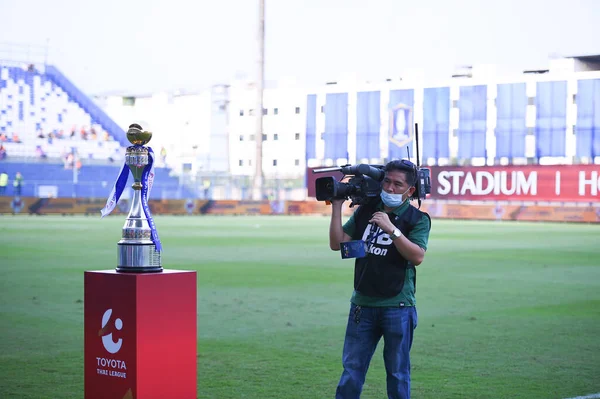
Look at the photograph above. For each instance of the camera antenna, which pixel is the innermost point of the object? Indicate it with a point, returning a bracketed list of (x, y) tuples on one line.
[(417, 143), (418, 161)]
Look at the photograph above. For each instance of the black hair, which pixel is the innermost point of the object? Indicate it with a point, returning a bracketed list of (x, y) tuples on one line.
[(406, 166)]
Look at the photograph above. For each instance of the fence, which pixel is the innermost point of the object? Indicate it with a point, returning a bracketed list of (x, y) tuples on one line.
[(437, 209)]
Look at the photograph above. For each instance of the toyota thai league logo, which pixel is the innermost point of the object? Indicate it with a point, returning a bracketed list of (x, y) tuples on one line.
[(107, 339)]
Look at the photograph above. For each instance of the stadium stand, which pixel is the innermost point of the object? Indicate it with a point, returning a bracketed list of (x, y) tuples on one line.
[(93, 181), (48, 127)]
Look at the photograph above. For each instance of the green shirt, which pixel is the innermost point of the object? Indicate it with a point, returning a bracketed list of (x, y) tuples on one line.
[(418, 235), (18, 180)]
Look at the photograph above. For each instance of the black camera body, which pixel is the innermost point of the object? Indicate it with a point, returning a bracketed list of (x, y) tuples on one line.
[(365, 183), (423, 184), (363, 186)]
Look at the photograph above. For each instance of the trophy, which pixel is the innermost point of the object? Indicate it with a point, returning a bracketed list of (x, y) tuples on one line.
[(139, 249)]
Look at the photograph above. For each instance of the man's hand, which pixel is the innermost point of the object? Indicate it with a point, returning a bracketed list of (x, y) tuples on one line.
[(382, 220), (336, 232), (337, 202)]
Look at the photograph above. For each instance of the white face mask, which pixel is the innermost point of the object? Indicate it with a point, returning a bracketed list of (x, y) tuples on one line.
[(392, 200)]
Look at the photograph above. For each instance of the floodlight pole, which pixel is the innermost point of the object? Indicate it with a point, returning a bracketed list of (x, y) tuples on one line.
[(258, 173)]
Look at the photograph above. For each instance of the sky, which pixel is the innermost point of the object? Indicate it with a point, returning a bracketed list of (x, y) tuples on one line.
[(143, 46)]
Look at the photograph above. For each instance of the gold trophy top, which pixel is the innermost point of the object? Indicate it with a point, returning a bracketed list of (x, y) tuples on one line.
[(137, 136), (136, 156)]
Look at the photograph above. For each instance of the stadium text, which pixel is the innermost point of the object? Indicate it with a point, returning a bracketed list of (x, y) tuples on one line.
[(593, 182), (517, 182), (483, 183)]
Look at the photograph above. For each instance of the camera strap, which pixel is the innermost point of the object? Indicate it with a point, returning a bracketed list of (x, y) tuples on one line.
[(374, 232), (372, 236)]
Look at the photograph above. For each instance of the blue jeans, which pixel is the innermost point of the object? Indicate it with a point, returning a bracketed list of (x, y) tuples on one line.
[(366, 326)]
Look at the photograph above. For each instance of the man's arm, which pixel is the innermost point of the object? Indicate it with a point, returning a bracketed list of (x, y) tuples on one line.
[(409, 250), (336, 232)]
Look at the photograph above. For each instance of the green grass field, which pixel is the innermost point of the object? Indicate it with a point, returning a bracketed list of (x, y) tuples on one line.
[(506, 310)]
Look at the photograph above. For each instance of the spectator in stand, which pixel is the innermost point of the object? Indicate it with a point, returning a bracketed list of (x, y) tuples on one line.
[(15, 138), (72, 132), (3, 138), (40, 134), (83, 133), (93, 134), (69, 161), (2, 152), (40, 153), (17, 184), (106, 136), (3, 182), (163, 155), (60, 135), (114, 156)]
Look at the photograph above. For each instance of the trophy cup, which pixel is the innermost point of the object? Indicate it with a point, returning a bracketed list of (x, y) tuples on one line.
[(139, 247)]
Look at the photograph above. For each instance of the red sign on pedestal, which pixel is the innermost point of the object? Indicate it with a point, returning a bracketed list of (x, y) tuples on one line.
[(140, 335)]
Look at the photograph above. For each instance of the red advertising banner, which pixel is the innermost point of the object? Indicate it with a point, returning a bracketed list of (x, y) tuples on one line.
[(493, 211), (561, 183)]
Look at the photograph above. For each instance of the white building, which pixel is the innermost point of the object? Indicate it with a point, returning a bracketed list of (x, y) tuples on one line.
[(214, 131)]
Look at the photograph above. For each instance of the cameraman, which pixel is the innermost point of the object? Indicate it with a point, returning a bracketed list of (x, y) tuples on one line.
[(383, 301)]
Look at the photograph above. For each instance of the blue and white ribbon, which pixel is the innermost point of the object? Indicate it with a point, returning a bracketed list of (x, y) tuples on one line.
[(116, 192), (147, 182)]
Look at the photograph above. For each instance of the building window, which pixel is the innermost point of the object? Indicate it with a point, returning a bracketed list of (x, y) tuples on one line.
[(251, 137), (574, 98), (454, 103), (322, 108), (264, 137), (241, 112), (274, 162), (241, 162), (265, 111), (127, 101), (251, 112), (297, 136), (275, 137), (241, 137), (530, 100), (249, 162), (275, 111), (297, 110), (297, 162)]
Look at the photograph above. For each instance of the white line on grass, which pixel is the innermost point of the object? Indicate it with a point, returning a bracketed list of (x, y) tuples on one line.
[(592, 396)]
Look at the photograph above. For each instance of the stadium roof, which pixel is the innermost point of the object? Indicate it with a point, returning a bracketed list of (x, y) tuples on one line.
[(595, 58)]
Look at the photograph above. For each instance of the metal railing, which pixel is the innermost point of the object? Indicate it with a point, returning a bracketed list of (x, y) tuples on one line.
[(20, 53)]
